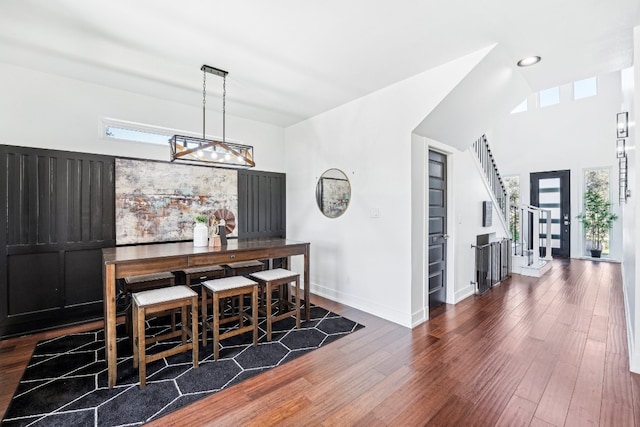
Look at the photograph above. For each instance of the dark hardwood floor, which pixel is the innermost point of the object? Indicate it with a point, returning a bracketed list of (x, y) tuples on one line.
[(531, 352)]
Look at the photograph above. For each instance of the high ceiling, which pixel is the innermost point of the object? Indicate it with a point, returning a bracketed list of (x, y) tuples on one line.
[(292, 59)]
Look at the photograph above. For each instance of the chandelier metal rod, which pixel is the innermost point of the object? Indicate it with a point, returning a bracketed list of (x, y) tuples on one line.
[(213, 70), (220, 73)]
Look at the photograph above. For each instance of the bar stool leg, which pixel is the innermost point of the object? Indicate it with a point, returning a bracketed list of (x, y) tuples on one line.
[(184, 322), (142, 368), (254, 314), (241, 309), (269, 296), (297, 302), (204, 317), (134, 333), (216, 325), (194, 330), (281, 297)]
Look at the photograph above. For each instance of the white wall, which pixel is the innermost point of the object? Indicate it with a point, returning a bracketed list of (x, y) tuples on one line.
[(491, 90), (631, 232), (571, 135), (47, 111), (419, 227), (362, 261)]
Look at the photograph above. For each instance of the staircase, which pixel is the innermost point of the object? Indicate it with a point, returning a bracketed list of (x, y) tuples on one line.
[(528, 257), (492, 176)]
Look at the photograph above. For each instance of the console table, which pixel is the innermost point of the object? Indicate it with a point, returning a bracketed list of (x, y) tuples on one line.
[(122, 261)]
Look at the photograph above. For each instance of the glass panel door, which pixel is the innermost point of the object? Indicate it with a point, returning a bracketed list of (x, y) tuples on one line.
[(550, 191)]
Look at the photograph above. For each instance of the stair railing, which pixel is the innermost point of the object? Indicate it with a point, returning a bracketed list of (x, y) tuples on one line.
[(492, 175), (538, 220)]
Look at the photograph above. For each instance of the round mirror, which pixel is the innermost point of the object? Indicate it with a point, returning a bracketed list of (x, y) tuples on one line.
[(333, 193)]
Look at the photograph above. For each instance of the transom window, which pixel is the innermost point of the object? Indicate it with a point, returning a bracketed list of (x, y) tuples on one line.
[(549, 96), (522, 107), (130, 133), (581, 89), (585, 88)]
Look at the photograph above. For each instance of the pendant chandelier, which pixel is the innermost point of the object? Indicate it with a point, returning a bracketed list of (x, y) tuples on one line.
[(195, 150)]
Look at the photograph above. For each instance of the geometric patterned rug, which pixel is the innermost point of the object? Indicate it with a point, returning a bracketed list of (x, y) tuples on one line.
[(65, 383)]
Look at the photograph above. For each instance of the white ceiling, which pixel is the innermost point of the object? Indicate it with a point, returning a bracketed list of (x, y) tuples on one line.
[(291, 59)]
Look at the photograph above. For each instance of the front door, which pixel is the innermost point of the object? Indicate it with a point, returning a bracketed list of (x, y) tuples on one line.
[(551, 190), (437, 254)]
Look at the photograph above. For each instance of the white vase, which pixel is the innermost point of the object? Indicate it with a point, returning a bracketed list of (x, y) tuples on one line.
[(200, 234)]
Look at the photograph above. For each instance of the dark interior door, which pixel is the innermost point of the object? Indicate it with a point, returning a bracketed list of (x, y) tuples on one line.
[(551, 190), (437, 253)]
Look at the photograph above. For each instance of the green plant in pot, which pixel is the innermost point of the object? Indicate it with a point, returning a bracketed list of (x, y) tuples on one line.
[(597, 219), (202, 218)]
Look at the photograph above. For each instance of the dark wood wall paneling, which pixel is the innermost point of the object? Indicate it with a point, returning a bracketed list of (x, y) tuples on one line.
[(262, 195), (59, 210)]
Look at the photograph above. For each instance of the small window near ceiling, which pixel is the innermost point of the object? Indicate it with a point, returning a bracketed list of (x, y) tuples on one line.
[(585, 88), (132, 133), (549, 96), (524, 105)]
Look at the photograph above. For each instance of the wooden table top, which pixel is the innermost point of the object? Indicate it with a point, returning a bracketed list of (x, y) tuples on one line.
[(161, 250)]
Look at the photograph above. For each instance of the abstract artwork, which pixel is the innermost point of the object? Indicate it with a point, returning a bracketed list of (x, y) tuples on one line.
[(335, 196), (158, 202)]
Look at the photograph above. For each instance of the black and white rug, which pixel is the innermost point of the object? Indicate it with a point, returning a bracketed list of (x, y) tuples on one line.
[(65, 383)]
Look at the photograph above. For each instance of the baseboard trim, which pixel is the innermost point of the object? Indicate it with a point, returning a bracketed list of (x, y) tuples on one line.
[(464, 293), (634, 356), (419, 317), (362, 304)]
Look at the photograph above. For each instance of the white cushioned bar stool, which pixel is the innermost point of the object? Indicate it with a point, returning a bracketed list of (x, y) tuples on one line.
[(244, 268), (145, 282), (286, 304), (235, 288), (200, 274), (154, 301)]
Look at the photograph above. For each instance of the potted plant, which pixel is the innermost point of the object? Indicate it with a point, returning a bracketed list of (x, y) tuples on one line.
[(202, 218), (597, 219)]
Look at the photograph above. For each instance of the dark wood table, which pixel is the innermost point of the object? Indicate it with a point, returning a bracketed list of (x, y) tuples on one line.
[(125, 261)]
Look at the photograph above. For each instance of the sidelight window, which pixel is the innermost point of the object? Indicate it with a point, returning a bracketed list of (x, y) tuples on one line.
[(598, 180), (512, 184)]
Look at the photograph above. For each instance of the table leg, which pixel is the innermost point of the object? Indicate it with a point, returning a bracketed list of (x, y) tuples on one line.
[(307, 286), (109, 303)]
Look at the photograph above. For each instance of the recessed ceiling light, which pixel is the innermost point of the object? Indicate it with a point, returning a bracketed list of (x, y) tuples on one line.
[(527, 62)]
